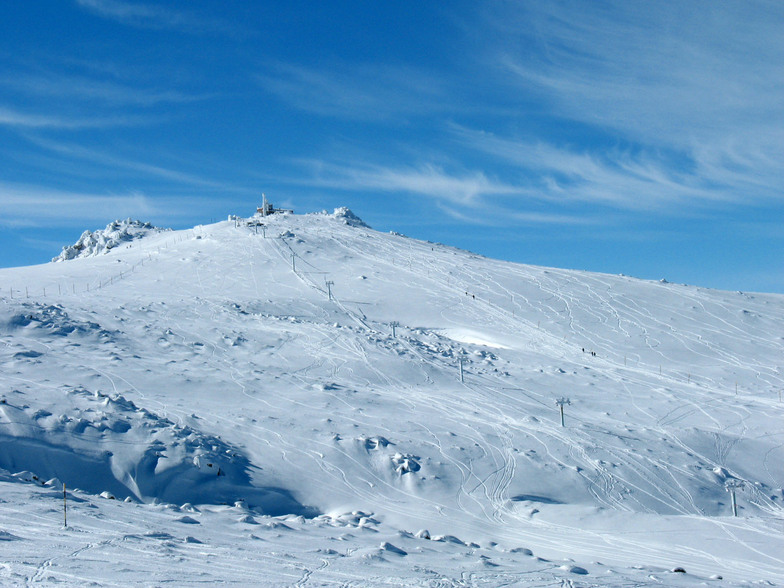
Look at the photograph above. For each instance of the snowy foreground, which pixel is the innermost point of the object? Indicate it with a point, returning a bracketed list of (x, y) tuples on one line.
[(283, 405)]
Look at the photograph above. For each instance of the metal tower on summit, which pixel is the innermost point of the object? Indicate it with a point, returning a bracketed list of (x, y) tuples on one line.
[(267, 208)]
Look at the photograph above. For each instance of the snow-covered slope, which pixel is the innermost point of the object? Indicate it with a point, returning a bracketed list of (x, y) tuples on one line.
[(299, 382)]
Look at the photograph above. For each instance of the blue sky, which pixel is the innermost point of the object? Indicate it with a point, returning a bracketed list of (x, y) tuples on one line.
[(643, 138)]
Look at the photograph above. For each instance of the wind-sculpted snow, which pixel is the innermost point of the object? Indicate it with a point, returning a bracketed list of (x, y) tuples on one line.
[(52, 319), (106, 444), (407, 391), (93, 243), (345, 215)]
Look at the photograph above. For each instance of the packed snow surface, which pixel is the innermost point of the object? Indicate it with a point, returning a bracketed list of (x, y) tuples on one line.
[(301, 400)]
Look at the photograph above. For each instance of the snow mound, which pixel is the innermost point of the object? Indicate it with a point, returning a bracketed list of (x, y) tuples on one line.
[(93, 243), (108, 446), (50, 319), (345, 215), (474, 338)]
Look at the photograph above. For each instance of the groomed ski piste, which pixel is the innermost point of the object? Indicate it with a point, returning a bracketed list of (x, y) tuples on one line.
[(302, 400)]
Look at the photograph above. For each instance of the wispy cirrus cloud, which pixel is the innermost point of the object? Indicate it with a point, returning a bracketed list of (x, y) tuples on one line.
[(68, 87), (357, 91), (612, 177), (10, 117), (468, 196), (108, 161), (152, 16), (465, 188), (681, 103), (651, 69), (700, 79), (495, 215), (29, 205)]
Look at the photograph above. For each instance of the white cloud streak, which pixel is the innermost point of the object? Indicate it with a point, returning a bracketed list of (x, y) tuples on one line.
[(493, 215), (151, 16), (467, 196), (701, 78), (467, 188), (615, 178), (655, 68), (54, 86), (104, 159), (25, 205), (367, 92), (10, 117), (686, 95)]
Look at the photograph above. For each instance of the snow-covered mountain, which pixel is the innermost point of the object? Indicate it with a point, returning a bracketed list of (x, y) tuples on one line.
[(301, 399)]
